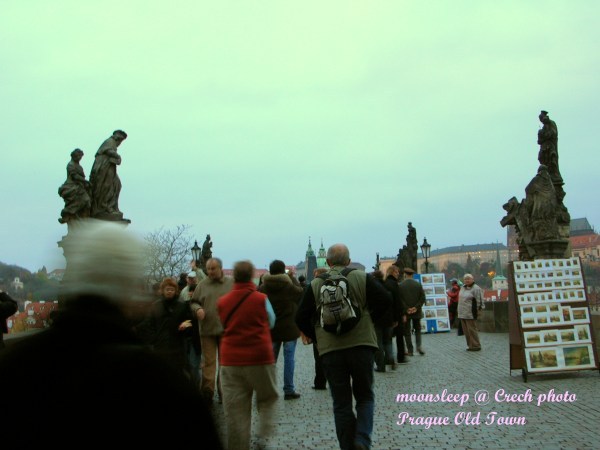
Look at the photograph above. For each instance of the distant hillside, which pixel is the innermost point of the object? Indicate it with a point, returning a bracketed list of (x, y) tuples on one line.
[(9, 272), (36, 286)]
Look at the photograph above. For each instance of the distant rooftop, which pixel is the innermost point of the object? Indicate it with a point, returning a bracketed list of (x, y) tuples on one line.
[(469, 249), (580, 227)]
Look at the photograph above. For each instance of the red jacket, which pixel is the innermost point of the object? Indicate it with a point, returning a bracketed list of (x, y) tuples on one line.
[(453, 293), (246, 340)]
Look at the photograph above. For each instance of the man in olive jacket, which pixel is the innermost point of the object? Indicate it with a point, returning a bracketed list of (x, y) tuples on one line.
[(204, 305), (413, 299), (284, 293), (348, 358)]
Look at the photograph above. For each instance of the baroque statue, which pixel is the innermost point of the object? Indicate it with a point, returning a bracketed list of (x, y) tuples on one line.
[(548, 142), (75, 191), (106, 185), (407, 255), (206, 250), (541, 219)]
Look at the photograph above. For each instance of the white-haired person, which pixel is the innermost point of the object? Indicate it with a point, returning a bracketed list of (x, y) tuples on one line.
[(470, 301), (87, 381)]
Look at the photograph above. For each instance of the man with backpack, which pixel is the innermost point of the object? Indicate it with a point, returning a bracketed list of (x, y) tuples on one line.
[(338, 309)]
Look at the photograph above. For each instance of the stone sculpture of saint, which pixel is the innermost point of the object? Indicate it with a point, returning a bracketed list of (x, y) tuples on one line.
[(541, 206), (106, 185), (413, 246), (207, 249), (75, 191), (548, 142)]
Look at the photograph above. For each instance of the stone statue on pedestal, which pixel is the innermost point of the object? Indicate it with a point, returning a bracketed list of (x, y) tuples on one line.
[(206, 252), (75, 191), (106, 185), (407, 255), (541, 219)]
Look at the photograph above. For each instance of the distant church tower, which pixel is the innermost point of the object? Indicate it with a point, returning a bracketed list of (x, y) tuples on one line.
[(310, 262), (322, 257), (499, 281)]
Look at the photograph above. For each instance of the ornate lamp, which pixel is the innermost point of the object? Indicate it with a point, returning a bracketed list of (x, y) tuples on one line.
[(426, 251), (196, 252)]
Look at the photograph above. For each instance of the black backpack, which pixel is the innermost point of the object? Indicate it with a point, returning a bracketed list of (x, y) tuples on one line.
[(337, 311)]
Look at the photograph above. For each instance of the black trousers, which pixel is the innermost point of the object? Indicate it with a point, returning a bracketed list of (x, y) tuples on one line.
[(320, 379), (399, 331)]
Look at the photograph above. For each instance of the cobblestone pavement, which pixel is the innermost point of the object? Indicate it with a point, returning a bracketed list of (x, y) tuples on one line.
[(307, 423)]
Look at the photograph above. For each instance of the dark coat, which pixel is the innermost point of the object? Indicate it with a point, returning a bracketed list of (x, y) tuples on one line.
[(397, 308), (284, 296), (160, 329), (7, 308), (412, 296), (88, 379)]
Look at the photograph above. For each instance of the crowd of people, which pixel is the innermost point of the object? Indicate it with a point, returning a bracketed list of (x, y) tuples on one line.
[(211, 333)]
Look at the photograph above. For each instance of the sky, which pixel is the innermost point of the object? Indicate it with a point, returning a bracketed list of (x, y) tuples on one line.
[(264, 123)]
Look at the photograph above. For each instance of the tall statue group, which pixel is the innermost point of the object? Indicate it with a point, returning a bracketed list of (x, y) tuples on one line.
[(99, 197), (541, 219)]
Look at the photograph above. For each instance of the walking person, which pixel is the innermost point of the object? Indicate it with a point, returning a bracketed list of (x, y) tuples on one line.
[(204, 305), (247, 360), (107, 389), (284, 294), (347, 348)]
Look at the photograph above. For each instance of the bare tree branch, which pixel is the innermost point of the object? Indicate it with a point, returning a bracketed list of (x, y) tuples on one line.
[(167, 252)]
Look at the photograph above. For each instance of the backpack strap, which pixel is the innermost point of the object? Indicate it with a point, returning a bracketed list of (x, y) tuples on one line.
[(347, 270)]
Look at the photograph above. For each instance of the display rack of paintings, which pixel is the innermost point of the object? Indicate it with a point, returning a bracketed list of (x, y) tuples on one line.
[(550, 326), (435, 311)]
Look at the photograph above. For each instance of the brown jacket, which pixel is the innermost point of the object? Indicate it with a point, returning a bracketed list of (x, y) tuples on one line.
[(284, 296)]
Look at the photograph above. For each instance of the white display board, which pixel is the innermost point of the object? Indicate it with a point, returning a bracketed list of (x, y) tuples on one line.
[(435, 311)]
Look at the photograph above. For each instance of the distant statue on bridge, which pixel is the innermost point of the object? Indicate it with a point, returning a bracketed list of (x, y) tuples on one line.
[(75, 191), (206, 252), (407, 255), (106, 185), (413, 246)]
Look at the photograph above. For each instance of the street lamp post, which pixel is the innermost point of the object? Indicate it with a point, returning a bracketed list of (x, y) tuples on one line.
[(196, 252), (425, 250)]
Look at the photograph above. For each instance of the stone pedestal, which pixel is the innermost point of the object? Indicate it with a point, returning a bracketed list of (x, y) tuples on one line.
[(550, 249)]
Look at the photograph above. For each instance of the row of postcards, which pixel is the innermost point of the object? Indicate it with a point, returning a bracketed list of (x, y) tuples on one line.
[(542, 265), (436, 302)]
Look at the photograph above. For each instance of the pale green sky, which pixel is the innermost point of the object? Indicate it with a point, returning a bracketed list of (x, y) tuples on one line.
[(262, 123)]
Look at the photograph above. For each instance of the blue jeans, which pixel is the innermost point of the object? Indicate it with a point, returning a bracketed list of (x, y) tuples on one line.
[(289, 350), (350, 371)]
